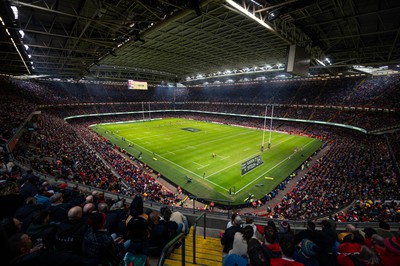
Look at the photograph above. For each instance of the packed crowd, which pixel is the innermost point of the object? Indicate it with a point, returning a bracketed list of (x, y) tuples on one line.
[(344, 173), (77, 154), (44, 223), (245, 243)]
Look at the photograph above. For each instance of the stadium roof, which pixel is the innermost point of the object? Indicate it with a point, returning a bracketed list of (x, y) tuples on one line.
[(171, 40)]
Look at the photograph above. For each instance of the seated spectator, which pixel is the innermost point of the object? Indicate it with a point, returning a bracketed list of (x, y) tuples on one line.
[(271, 242), (181, 220), (283, 230), (163, 232), (365, 256), (11, 226), (257, 253), (10, 200), (229, 234), (69, 234), (40, 230), (387, 257), (349, 230), (287, 246), (384, 230), (24, 213), (347, 251), (234, 259), (58, 210), (240, 241), (309, 233), (393, 244), (98, 244), (306, 253), (368, 233), (42, 197), (23, 253), (114, 218)]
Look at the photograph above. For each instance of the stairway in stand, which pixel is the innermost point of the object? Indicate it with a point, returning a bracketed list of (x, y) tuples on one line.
[(208, 252)]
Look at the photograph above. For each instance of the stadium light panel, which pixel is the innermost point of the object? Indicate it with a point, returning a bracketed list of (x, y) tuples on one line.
[(26, 47), (22, 33), (250, 15), (15, 12)]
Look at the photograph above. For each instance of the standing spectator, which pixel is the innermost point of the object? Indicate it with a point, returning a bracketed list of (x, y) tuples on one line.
[(229, 234), (137, 226), (240, 241)]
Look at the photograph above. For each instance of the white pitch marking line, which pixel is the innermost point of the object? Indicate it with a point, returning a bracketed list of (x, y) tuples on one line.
[(287, 158)]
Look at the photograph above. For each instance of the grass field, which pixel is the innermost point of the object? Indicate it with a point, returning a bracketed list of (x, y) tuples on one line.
[(181, 148)]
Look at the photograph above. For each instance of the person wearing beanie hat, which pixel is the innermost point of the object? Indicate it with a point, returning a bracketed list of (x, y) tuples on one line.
[(98, 244), (305, 253)]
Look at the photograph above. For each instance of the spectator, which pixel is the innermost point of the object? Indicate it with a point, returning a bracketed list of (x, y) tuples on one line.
[(384, 230), (349, 230), (309, 233), (229, 234), (58, 210), (11, 226), (40, 230), (181, 220), (24, 213), (287, 246), (306, 253), (271, 242), (69, 234), (23, 253), (163, 232), (387, 257), (240, 241), (137, 226), (98, 244)]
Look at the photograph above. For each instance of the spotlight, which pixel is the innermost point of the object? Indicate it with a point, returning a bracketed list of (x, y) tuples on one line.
[(274, 14)]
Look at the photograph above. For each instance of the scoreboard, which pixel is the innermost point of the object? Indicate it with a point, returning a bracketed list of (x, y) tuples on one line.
[(251, 164), (137, 85)]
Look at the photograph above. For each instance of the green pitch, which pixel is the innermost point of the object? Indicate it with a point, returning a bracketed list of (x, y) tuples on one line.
[(211, 155)]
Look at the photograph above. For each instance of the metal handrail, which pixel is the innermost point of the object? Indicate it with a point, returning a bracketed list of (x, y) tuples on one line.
[(194, 233), (170, 245)]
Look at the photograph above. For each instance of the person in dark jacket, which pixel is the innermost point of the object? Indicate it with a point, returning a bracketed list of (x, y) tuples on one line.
[(229, 234), (98, 244), (69, 234)]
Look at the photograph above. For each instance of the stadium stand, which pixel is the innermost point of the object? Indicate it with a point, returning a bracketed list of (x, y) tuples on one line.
[(352, 181)]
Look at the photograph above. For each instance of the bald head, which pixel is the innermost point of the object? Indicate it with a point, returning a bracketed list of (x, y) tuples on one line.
[(89, 199), (102, 207), (89, 208), (75, 213), (350, 228)]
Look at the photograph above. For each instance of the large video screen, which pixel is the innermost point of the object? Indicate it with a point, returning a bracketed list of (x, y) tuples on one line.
[(137, 85)]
